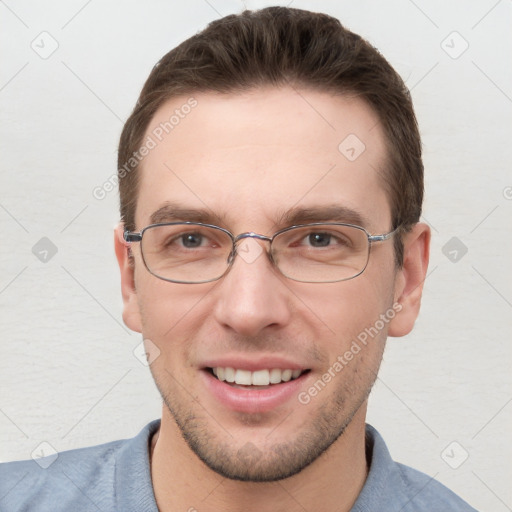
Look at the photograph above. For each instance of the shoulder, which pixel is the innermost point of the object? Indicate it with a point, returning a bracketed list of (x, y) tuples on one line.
[(392, 486), (80, 480), (67, 479), (426, 493)]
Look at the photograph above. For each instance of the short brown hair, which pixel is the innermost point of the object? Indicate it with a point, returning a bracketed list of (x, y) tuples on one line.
[(279, 46)]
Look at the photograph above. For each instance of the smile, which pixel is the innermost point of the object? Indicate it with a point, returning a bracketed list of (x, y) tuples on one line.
[(254, 392), (258, 378)]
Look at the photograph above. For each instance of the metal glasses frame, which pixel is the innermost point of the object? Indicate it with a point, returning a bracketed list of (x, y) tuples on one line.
[(136, 236)]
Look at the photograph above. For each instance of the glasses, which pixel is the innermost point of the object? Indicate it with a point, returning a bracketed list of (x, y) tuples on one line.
[(193, 252)]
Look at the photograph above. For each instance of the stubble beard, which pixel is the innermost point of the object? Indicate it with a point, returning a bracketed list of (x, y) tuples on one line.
[(218, 450)]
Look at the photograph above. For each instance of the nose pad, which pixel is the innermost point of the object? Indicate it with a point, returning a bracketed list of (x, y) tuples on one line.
[(249, 250), (231, 256), (249, 247)]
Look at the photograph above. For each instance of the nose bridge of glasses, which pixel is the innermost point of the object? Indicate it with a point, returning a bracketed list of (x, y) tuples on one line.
[(251, 234), (248, 253)]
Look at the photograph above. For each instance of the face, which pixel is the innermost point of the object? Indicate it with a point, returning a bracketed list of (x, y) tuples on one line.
[(248, 162)]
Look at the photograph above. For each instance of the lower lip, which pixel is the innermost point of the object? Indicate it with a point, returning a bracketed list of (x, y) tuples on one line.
[(253, 401)]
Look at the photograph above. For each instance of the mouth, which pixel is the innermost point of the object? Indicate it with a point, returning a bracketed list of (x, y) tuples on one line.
[(255, 380), (257, 391)]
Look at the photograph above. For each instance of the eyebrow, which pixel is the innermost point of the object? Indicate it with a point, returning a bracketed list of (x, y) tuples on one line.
[(173, 212), (329, 213)]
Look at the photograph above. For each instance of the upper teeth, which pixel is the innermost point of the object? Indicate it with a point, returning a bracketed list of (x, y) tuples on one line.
[(257, 378)]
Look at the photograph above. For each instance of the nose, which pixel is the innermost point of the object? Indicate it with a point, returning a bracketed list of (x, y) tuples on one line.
[(252, 295)]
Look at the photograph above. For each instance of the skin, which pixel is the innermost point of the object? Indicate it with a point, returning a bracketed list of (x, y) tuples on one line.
[(248, 158)]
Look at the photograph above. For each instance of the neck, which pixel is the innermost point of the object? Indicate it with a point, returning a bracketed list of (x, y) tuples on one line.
[(181, 481)]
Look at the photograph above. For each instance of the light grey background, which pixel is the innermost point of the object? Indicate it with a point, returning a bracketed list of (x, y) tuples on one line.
[(68, 374)]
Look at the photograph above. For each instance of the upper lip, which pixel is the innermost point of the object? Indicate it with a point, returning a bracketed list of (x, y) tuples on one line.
[(254, 363)]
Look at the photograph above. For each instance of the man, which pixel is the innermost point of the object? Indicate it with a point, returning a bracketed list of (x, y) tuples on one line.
[(271, 186)]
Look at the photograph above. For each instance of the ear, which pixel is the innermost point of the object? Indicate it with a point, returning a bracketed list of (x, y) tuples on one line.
[(410, 278), (131, 311)]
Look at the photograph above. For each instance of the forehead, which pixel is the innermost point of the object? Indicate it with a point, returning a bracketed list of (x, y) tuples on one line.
[(249, 158)]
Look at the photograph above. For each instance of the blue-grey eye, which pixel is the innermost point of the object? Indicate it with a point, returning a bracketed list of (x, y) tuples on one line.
[(192, 240), (319, 239)]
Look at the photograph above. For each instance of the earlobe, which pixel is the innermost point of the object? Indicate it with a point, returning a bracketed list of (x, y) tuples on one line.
[(410, 278), (131, 311)]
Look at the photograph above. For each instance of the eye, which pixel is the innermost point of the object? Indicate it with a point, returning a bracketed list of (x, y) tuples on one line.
[(192, 240), (319, 239)]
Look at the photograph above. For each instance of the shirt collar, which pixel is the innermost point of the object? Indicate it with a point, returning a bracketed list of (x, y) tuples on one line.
[(133, 486), (384, 485), (383, 488)]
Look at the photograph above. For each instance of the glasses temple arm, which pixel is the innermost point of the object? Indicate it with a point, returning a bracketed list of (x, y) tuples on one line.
[(131, 236), (385, 236)]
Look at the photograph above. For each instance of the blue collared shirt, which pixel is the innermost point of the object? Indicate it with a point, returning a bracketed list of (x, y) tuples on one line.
[(115, 477)]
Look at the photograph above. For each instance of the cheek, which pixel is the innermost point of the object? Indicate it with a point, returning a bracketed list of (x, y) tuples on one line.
[(358, 336), (165, 307), (348, 307)]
